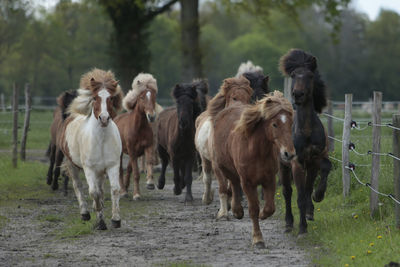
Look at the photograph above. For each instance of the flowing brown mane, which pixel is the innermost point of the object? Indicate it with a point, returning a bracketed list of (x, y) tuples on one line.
[(264, 109), (218, 102), (90, 83)]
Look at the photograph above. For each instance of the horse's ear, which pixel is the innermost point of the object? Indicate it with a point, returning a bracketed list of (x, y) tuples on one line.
[(313, 63), (115, 83), (93, 83)]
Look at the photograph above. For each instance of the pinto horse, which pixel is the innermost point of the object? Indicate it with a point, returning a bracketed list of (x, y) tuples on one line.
[(90, 140), (136, 131), (176, 138), (232, 91), (309, 137), (54, 153), (248, 142)]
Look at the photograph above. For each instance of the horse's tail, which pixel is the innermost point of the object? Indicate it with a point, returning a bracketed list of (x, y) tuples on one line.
[(297, 58)]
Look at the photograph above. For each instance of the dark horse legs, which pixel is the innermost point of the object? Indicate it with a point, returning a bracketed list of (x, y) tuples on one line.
[(164, 163), (325, 167), (286, 180), (188, 179), (59, 159), (52, 157), (299, 179), (312, 172)]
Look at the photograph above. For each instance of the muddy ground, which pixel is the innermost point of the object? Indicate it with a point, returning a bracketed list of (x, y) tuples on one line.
[(157, 230)]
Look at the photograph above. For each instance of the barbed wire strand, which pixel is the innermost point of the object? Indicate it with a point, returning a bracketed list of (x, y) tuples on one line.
[(370, 187)]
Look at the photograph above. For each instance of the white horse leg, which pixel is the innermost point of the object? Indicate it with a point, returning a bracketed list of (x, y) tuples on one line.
[(77, 183), (149, 167), (113, 174), (95, 182)]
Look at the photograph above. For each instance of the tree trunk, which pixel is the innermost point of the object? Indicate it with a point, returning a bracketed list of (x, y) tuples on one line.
[(190, 32)]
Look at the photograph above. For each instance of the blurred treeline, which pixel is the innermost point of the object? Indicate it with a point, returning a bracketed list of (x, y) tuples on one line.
[(50, 49)]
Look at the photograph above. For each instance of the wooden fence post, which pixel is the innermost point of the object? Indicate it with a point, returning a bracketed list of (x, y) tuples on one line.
[(345, 144), (396, 166), (331, 131), (15, 125), (2, 102), (286, 88), (28, 104), (376, 148)]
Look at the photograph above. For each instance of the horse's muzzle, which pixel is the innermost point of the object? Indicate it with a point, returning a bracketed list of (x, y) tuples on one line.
[(151, 118), (287, 156), (104, 120)]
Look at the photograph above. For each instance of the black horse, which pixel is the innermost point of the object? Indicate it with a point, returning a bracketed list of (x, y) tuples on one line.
[(309, 95), (176, 131), (259, 84), (53, 152)]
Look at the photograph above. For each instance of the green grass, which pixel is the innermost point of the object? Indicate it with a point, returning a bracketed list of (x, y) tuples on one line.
[(343, 232)]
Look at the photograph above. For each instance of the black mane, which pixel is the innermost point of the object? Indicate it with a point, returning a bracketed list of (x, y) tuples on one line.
[(297, 58)]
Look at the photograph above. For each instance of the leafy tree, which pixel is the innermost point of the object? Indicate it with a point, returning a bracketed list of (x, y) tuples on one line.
[(131, 20)]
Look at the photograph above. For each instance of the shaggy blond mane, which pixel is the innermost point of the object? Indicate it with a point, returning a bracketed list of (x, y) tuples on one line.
[(218, 102), (264, 109), (89, 84), (141, 82), (248, 67)]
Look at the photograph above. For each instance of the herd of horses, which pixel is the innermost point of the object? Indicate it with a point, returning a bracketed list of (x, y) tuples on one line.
[(245, 135)]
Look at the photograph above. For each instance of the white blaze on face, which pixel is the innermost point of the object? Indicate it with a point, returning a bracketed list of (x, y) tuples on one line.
[(148, 95), (283, 118), (104, 94)]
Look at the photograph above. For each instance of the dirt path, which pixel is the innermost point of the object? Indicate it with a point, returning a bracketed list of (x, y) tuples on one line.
[(157, 230)]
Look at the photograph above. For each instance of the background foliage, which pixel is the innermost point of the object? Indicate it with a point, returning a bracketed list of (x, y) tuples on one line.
[(51, 48)]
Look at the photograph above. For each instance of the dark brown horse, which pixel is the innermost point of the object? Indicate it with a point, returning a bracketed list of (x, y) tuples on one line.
[(248, 143), (176, 138), (54, 153), (232, 91), (135, 130), (309, 137)]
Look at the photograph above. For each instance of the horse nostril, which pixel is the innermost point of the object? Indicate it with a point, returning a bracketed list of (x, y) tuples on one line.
[(286, 154)]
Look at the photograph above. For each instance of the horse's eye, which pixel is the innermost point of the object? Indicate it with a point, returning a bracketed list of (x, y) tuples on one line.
[(274, 124), (234, 99)]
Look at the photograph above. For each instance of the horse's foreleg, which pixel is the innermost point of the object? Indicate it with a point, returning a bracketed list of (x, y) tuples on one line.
[(142, 164), (59, 159), (164, 163), (66, 178), (115, 189), (254, 210), (223, 193), (268, 189), (325, 168), (188, 179), (286, 180), (299, 179), (312, 172), (127, 178), (149, 167), (77, 183), (208, 194), (177, 181), (136, 178), (52, 157), (236, 204), (94, 182)]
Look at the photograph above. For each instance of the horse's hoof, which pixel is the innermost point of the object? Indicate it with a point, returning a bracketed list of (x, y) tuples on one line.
[(54, 187), (310, 217), (150, 186), (160, 184), (65, 193), (85, 216), (206, 201), (188, 198), (317, 196), (116, 224), (100, 225), (288, 228), (259, 245), (222, 216), (136, 197), (238, 213), (177, 190), (122, 193), (302, 231), (49, 181)]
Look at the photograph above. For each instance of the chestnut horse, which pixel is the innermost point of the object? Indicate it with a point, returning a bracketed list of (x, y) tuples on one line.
[(135, 130), (90, 140), (248, 143), (176, 138), (309, 137), (233, 90), (54, 153)]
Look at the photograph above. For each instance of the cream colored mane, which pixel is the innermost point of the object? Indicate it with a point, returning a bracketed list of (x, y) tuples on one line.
[(141, 82)]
